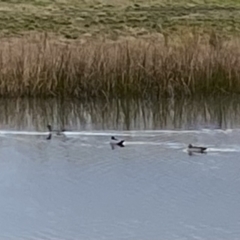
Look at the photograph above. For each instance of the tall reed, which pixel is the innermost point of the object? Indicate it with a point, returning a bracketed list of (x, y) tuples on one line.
[(45, 66)]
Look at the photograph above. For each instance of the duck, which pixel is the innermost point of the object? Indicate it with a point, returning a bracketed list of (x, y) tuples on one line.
[(58, 132), (116, 142), (196, 149)]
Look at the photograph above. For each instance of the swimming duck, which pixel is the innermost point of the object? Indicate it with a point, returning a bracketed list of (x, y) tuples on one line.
[(116, 142), (58, 132), (196, 149)]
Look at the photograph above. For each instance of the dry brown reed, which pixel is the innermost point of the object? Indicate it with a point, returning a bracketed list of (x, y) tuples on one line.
[(45, 66)]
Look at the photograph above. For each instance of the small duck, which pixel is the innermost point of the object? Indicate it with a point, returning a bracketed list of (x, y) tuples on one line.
[(58, 132), (116, 142), (196, 149)]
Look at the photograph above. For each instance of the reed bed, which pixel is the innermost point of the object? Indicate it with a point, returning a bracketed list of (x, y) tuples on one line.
[(154, 67)]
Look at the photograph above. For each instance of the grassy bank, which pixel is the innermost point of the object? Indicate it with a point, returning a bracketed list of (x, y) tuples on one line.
[(77, 18), (91, 48), (44, 66)]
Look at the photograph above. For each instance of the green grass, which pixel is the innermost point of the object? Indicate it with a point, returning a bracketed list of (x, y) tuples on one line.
[(74, 19)]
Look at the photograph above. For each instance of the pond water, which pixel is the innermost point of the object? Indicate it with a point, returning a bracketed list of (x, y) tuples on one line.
[(76, 187)]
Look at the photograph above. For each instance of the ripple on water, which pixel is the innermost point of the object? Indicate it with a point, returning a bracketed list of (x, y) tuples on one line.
[(78, 188)]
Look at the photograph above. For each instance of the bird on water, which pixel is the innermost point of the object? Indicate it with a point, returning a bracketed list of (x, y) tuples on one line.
[(116, 142)]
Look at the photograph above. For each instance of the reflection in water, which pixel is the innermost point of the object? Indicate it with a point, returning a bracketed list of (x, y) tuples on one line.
[(35, 114)]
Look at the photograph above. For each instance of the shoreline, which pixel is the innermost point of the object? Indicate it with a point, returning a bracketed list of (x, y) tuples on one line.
[(99, 49)]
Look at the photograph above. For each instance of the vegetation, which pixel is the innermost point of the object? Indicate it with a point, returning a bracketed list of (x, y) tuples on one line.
[(77, 18), (44, 66), (160, 48)]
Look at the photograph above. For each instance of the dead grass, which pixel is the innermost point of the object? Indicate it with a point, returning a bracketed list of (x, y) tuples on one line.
[(43, 66)]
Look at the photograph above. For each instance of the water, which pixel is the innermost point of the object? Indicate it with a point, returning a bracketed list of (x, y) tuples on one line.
[(76, 187)]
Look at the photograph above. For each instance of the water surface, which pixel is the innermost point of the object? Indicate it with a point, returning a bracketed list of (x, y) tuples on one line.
[(76, 187)]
